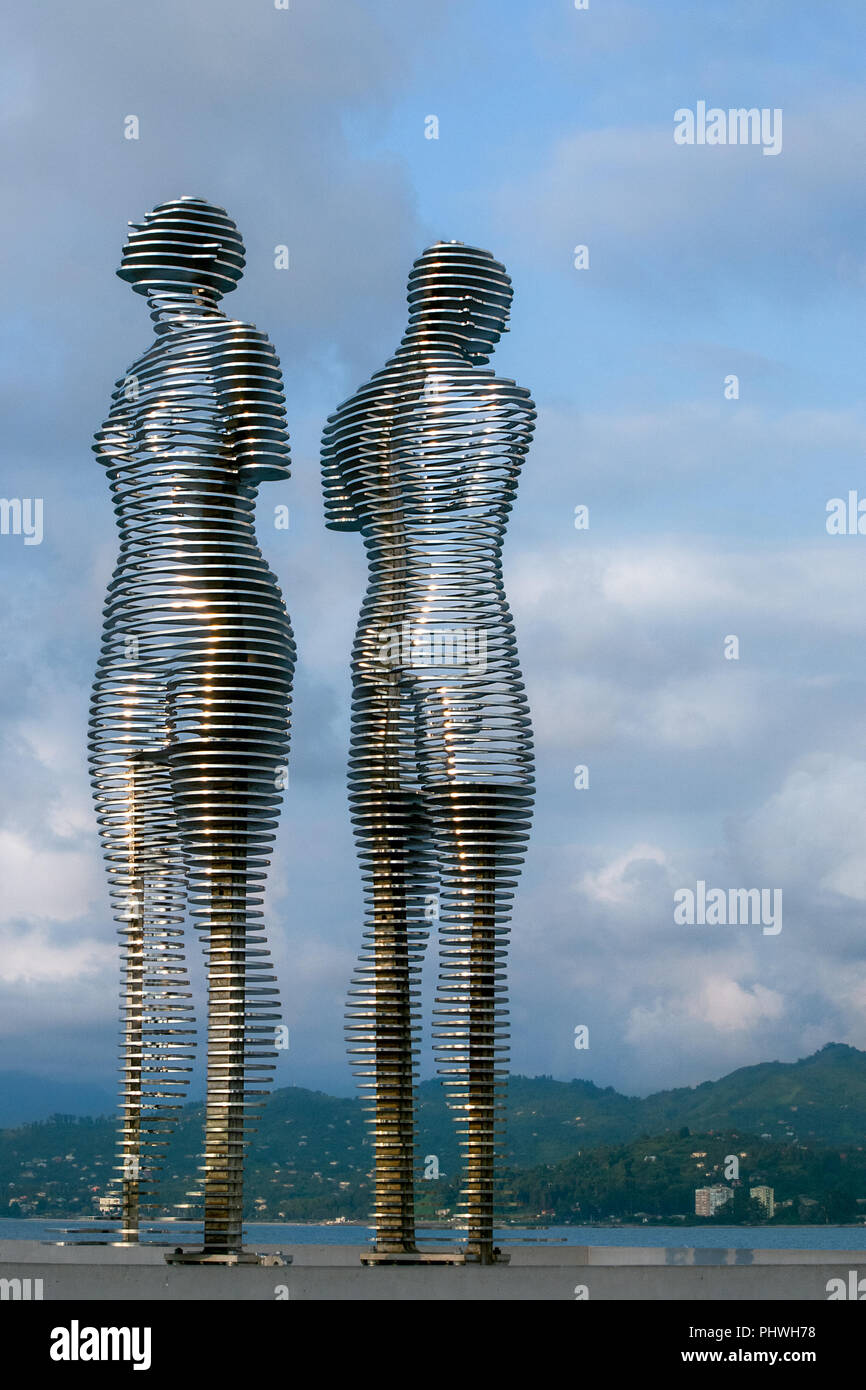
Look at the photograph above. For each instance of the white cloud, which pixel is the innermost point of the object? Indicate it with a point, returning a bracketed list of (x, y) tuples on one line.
[(36, 956), (811, 831), (44, 883), (642, 203), (714, 1002), (620, 881), (725, 1004)]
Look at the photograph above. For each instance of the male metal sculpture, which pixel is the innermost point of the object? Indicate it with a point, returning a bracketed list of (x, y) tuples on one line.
[(424, 462), (190, 712)]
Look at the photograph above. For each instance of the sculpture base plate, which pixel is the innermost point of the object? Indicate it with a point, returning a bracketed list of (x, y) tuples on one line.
[(428, 1257), (232, 1257)]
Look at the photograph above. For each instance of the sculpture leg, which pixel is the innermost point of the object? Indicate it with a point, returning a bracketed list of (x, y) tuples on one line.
[(382, 1013), (480, 835), (227, 810), (226, 1049), (154, 988), (132, 1001), (480, 1131)]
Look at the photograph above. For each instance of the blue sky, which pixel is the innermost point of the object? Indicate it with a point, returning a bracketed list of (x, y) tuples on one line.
[(707, 516)]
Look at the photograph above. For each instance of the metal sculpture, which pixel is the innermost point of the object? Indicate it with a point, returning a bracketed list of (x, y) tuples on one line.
[(424, 460), (190, 713)]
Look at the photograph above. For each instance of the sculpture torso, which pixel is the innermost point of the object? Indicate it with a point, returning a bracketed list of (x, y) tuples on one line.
[(177, 449), (424, 461)]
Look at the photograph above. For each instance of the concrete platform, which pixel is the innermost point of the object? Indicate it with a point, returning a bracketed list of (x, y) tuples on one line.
[(335, 1272)]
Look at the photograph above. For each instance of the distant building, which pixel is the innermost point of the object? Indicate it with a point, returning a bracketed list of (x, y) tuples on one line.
[(766, 1196), (108, 1205), (709, 1200)]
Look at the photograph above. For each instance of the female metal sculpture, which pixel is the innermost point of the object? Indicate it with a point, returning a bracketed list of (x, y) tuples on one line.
[(190, 712), (424, 462)]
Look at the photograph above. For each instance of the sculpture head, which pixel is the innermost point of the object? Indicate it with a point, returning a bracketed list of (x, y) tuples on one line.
[(186, 246), (459, 294)]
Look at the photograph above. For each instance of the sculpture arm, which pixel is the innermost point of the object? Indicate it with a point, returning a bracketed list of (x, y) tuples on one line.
[(250, 386), (472, 428), (340, 514)]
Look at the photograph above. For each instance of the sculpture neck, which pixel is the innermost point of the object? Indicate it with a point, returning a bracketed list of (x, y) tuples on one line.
[(422, 339), (172, 311)]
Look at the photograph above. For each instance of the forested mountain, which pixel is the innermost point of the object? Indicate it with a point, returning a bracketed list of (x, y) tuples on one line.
[(311, 1158)]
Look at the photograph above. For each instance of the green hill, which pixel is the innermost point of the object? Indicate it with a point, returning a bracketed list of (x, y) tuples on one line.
[(821, 1098), (311, 1158), (656, 1178)]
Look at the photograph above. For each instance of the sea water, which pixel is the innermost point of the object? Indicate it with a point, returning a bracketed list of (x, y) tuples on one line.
[(700, 1237)]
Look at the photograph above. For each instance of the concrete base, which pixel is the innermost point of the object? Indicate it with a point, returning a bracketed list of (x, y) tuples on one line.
[(334, 1272)]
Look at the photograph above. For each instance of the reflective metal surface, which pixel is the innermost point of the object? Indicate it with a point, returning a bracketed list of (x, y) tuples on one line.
[(190, 712), (423, 460)]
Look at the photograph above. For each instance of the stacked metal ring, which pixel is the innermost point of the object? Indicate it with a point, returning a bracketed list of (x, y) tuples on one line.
[(190, 714), (424, 462)]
